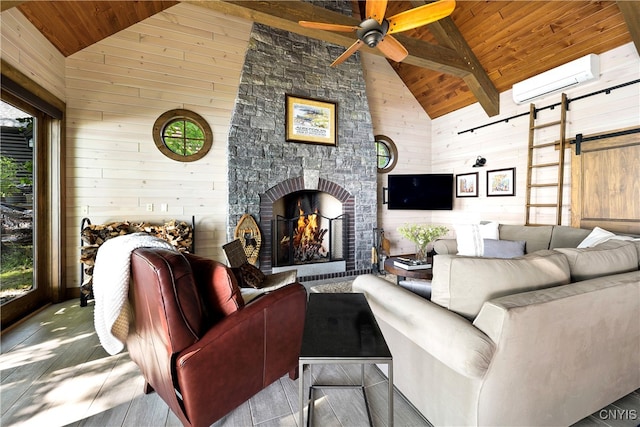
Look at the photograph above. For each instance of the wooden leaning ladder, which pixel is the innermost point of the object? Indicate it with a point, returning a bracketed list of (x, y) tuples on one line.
[(533, 127)]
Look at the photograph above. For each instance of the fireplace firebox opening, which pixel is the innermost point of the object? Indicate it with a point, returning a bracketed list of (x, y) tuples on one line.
[(308, 227), (334, 201)]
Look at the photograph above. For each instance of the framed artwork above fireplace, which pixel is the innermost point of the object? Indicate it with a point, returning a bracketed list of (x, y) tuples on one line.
[(310, 120)]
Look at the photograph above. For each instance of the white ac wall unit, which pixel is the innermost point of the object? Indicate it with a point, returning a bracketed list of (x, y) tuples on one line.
[(565, 76)]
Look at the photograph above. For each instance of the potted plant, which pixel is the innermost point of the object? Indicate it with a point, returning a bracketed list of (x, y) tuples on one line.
[(423, 235)]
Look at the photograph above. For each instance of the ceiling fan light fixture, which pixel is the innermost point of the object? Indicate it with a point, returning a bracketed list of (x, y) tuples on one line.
[(372, 38), (371, 32)]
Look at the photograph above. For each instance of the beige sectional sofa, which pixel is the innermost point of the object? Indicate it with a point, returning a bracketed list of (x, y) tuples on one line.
[(547, 338)]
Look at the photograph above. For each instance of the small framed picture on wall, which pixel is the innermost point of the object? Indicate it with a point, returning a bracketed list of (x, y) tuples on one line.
[(501, 182), (467, 185)]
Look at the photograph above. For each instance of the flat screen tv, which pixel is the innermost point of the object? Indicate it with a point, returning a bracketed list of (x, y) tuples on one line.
[(421, 192)]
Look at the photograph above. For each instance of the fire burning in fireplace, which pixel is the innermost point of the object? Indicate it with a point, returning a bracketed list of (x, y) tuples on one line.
[(304, 234)]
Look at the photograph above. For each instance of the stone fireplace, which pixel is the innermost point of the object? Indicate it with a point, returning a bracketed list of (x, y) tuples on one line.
[(264, 168)]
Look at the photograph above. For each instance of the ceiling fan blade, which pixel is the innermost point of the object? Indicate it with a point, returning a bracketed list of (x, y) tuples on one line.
[(421, 15), (376, 9), (347, 53), (392, 48), (328, 27)]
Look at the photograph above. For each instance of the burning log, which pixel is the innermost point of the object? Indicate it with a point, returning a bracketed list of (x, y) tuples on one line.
[(309, 246)]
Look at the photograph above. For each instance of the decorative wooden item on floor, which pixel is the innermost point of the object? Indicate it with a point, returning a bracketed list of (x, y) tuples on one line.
[(249, 234), (386, 245)]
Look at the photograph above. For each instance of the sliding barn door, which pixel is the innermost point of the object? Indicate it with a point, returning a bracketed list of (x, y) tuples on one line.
[(605, 182)]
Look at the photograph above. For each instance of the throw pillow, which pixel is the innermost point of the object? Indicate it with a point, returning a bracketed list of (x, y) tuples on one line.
[(249, 276), (597, 236), (469, 237), (503, 248)]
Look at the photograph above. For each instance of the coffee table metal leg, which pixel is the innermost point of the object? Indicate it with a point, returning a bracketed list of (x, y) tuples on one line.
[(310, 401), (301, 392), (390, 399)]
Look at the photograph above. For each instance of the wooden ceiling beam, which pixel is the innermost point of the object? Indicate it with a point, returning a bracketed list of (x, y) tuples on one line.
[(478, 81), (447, 34), (286, 14), (631, 12)]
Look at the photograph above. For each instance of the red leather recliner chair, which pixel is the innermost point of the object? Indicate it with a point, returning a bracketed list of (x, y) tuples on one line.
[(198, 346)]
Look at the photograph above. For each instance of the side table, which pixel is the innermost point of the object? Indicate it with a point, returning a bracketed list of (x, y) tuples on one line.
[(402, 273)]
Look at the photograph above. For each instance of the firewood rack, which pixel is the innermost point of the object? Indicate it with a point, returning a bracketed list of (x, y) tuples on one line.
[(87, 294)]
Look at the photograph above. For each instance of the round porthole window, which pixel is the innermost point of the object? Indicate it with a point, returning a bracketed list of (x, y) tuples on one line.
[(182, 135), (386, 153)]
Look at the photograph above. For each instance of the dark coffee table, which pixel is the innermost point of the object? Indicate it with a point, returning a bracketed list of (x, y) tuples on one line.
[(340, 329)]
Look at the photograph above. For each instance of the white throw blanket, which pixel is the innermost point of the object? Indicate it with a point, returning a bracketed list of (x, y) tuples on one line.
[(111, 275)]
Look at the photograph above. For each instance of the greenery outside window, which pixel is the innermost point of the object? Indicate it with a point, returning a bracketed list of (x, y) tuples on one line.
[(386, 153), (182, 135)]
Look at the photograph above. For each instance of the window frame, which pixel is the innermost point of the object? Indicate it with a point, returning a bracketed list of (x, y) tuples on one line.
[(181, 114), (391, 148), (50, 252)]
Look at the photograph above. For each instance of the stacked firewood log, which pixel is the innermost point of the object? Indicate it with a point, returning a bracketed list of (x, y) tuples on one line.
[(178, 233)]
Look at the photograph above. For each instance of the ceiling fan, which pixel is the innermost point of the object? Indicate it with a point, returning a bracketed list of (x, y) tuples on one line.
[(376, 30)]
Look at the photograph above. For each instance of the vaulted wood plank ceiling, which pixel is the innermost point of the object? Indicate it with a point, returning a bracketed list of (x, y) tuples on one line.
[(482, 49)]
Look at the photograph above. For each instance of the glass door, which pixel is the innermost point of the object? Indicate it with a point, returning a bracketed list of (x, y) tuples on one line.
[(19, 291)]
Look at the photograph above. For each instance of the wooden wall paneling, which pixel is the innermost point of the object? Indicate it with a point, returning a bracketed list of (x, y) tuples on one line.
[(396, 114), (41, 62), (115, 168)]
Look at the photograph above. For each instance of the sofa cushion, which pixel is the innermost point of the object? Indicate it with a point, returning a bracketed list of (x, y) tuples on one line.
[(462, 284), (537, 237), (446, 246), (469, 237), (503, 248), (611, 257), (564, 236)]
